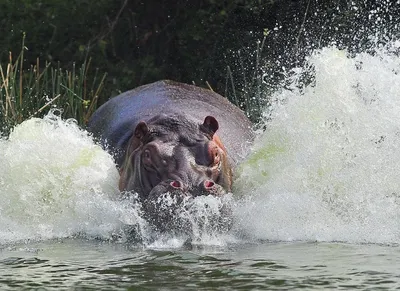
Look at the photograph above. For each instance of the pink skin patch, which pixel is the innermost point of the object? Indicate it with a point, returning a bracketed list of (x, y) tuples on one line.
[(217, 140), (176, 184), (208, 184)]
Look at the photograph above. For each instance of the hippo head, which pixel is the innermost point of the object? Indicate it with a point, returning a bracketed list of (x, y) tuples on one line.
[(173, 154)]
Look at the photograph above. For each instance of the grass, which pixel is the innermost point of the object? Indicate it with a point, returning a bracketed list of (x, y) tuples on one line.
[(31, 92), (253, 95)]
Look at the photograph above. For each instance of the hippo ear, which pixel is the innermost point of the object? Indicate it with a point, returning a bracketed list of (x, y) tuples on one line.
[(210, 125), (141, 130)]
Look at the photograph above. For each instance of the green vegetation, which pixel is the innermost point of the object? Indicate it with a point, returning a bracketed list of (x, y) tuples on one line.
[(29, 92)]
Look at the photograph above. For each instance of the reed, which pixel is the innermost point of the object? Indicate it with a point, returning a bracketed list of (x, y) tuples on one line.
[(30, 91), (245, 86)]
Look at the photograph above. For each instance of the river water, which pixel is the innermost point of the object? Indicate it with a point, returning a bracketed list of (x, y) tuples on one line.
[(88, 264), (316, 204)]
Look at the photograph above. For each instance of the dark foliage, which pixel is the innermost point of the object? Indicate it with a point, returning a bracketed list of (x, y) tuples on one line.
[(233, 45)]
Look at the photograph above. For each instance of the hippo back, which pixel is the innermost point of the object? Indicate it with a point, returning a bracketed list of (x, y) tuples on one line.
[(115, 120)]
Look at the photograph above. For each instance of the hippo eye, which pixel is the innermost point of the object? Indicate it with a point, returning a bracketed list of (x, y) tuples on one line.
[(146, 156), (215, 156)]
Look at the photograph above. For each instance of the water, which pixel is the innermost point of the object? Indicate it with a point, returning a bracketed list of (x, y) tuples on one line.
[(326, 169), (93, 265), (316, 204)]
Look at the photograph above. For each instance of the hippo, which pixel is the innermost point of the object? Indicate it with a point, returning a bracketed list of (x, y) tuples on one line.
[(173, 137)]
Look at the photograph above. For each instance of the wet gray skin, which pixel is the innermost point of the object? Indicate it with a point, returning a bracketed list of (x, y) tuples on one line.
[(172, 154)]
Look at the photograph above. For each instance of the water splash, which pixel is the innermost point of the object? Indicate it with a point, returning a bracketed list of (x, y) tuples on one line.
[(327, 166), (56, 182), (206, 219)]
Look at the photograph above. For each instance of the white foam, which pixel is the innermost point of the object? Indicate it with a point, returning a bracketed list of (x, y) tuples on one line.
[(55, 182), (327, 166)]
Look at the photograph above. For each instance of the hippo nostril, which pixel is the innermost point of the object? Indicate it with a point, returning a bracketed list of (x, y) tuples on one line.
[(208, 184), (176, 184)]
